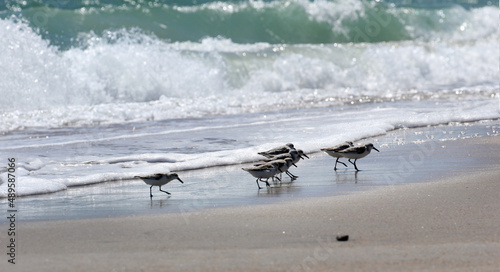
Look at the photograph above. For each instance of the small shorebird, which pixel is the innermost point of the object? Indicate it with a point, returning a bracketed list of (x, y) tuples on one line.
[(334, 152), (278, 150), (159, 180), (295, 155), (301, 153), (284, 165), (264, 171), (296, 160), (357, 152)]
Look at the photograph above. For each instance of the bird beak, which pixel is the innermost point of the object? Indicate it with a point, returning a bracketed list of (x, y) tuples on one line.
[(376, 149), (305, 156), (294, 164), (180, 180)]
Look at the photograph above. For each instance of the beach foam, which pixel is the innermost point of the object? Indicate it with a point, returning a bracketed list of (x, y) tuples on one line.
[(165, 148), (134, 77)]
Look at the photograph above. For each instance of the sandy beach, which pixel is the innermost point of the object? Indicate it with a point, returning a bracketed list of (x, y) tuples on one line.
[(447, 224)]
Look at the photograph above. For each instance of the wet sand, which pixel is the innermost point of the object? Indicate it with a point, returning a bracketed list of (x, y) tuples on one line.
[(448, 223)]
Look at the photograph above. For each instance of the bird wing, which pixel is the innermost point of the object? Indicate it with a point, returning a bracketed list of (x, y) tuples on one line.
[(155, 176), (357, 149), (336, 148)]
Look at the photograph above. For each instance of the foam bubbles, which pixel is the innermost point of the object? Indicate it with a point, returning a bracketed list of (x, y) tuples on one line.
[(128, 76), (32, 75), (30, 186)]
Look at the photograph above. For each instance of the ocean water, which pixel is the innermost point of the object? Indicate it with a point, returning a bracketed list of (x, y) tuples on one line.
[(96, 91)]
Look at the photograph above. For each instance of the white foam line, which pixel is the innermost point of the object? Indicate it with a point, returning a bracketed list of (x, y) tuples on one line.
[(257, 123)]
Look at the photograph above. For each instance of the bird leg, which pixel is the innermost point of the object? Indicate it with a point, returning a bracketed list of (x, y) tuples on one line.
[(337, 161), (292, 176), (267, 183), (164, 191), (151, 192), (257, 180), (354, 163)]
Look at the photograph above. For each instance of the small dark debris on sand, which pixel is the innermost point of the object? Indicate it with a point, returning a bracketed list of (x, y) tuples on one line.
[(342, 238)]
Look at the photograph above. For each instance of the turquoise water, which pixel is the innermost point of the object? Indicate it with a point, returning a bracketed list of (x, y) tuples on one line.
[(64, 22)]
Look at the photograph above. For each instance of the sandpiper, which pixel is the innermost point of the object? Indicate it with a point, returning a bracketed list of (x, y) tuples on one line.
[(283, 166), (278, 150), (295, 155), (159, 180), (357, 152), (301, 154), (334, 152), (264, 171)]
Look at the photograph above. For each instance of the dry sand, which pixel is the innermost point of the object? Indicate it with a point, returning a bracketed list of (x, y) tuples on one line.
[(450, 224)]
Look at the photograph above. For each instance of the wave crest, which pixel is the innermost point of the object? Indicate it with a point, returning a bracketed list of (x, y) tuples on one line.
[(275, 22)]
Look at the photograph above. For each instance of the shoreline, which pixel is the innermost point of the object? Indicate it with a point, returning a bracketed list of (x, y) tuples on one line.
[(449, 223), (403, 153)]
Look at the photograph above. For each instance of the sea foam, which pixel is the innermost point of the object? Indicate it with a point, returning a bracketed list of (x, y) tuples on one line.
[(127, 75), (109, 158)]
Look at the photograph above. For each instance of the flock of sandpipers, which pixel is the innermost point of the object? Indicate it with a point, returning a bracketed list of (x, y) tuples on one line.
[(278, 161)]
